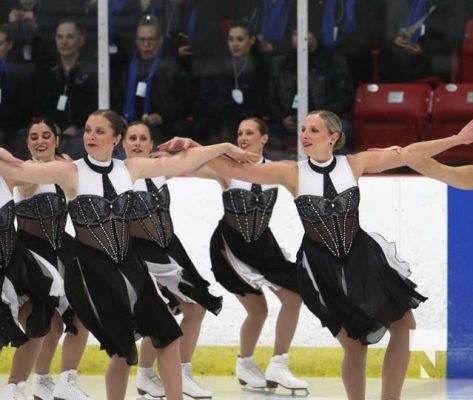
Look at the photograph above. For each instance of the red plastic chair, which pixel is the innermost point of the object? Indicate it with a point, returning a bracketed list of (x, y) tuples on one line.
[(386, 114), (452, 108)]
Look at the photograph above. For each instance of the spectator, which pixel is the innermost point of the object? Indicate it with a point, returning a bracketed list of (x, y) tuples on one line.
[(193, 30), (125, 15), (155, 90), (329, 87), (273, 22), (233, 87), (359, 37), (33, 24), (67, 91), (15, 94), (26, 22), (420, 38)]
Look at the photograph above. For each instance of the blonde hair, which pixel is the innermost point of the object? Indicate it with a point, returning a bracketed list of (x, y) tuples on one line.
[(333, 124)]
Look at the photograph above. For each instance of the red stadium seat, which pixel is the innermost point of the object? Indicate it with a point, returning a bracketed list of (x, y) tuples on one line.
[(452, 108), (391, 114)]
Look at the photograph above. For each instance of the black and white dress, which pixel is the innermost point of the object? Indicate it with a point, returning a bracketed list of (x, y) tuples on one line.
[(348, 278), (45, 248), (253, 257), (10, 329), (156, 243), (108, 285)]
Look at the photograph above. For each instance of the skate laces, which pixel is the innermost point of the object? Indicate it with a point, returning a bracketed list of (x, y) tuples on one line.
[(191, 381), (47, 382), (72, 383), (154, 378), (254, 369), (20, 391), (287, 372)]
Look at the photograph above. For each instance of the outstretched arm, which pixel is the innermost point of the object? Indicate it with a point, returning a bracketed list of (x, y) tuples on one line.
[(460, 177), (378, 161), (185, 161), (57, 172), (281, 172), (178, 144)]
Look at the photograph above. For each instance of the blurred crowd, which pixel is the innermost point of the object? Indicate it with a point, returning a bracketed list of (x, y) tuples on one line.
[(196, 68)]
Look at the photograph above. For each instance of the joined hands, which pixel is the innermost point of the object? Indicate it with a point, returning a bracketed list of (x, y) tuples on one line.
[(232, 151)]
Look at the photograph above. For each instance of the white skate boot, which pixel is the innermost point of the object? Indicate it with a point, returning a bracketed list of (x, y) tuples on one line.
[(43, 387), (147, 382), (190, 387), (13, 391), (278, 373), (67, 389), (20, 391), (249, 374)]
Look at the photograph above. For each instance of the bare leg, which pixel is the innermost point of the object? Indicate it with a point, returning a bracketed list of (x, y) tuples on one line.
[(73, 347), (147, 353), (257, 312), (288, 318), (169, 364), (25, 356), (190, 326), (48, 348), (116, 379), (396, 359), (24, 360), (353, 366)]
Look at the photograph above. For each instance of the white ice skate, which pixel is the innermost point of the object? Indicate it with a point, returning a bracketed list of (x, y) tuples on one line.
[(278, 373), (43, 387), (190, 387), (148, 383), (13, 391), (67, 389), (249, 374)]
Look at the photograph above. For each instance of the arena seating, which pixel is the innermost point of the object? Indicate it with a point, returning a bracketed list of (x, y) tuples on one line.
[(452, 107), (388, 114)]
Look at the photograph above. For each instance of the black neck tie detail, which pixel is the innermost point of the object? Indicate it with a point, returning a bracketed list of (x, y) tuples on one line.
[(256, 187), (150, 185), (59, 190), (109, 192), (329, 189)]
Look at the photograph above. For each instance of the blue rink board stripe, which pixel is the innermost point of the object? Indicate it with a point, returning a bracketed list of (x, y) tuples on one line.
[(460, 284)]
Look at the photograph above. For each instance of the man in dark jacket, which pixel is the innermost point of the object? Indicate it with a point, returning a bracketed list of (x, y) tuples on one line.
[(330, 88), (154, 89), (67, 91)]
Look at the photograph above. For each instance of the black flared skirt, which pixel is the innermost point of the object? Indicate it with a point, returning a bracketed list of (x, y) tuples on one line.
[(34, 274), (363, 292), (264, 256), (177, 274), (118, 302)]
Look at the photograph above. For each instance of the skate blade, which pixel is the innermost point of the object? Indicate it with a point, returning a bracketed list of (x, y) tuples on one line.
[(198, 397), (286, 393), (149, 397), (254, 390)]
